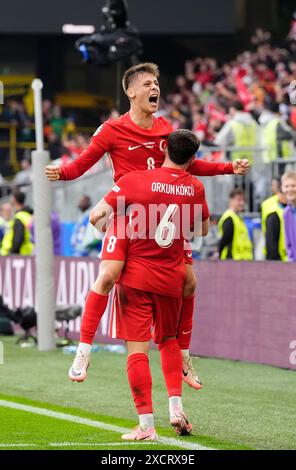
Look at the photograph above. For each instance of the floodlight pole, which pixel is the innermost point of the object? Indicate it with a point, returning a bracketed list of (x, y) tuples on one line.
[(42, 203)]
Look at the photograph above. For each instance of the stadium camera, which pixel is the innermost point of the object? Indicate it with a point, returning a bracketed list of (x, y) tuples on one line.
[(117, 40)]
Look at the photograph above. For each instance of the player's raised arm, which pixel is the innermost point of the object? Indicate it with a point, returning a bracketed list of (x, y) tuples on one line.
[(203, 168), (100, 144)]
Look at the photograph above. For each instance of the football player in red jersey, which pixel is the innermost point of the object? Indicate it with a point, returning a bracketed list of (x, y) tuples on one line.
[(135, 141), (163, 206)]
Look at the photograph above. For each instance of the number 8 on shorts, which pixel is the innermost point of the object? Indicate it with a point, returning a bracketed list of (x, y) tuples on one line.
[(111, 244)]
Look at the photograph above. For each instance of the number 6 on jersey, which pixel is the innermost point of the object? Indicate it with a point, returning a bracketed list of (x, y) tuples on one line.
[(166, 229)]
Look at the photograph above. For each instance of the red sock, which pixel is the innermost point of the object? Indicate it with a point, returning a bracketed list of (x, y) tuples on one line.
[(94, 309), (185, 323), (171, 362), (139, 377)]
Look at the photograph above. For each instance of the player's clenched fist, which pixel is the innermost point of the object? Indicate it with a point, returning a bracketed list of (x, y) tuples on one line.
[(52, 173), (241, 167)]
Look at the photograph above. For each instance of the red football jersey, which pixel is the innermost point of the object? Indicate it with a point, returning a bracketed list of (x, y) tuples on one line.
[(170, 199), (131, 147)]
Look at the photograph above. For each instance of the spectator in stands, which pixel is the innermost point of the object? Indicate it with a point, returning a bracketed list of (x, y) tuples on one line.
[(83, 240), (14, 112), (260, 37), (24, 176), (82, 141), (6, 214), (55, 146), (72, 148), (292, 32), (289, 190), (57, 121), (273, 228), (4, 186), (17, 239), (275, 134), (46, 109), (235, 242)]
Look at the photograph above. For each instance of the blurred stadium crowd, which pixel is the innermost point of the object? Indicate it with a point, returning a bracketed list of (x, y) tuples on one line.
[(239, 109), (205, 98), (256, 82)]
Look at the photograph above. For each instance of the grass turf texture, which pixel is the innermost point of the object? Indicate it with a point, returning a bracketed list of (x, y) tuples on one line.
[(242, 406)]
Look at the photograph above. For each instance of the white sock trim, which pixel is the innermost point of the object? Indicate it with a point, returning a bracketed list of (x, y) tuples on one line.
[(175, 402), (146, 421), (85, 348), (185, 352)]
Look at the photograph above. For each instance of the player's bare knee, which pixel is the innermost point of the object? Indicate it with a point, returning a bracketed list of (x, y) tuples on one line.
[(135, 347)]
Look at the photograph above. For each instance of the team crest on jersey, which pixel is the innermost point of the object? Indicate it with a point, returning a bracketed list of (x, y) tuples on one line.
[(98, 130), (162, 145)]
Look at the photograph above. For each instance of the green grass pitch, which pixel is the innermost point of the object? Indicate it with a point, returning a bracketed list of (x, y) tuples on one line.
[(242, 406)]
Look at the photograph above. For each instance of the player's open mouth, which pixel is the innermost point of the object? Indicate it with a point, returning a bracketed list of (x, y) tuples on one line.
[(153, 99)]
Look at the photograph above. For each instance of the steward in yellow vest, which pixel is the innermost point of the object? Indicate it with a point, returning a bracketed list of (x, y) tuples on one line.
[(244, 136), (275, 135), (273, 228), (240, 131), (17, 237), (235, 242)]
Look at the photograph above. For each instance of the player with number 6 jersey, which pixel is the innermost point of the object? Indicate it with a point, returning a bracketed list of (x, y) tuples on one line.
[(164, 206)]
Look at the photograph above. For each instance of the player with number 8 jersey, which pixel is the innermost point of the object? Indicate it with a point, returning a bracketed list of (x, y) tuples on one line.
[(131, 148)]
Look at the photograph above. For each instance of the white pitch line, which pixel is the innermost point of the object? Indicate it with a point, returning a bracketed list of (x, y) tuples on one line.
[(80, 444), (18, 445), (98, 444), (97, 424)]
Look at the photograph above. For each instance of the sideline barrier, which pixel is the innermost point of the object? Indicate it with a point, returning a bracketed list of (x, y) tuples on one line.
[(245, 310)]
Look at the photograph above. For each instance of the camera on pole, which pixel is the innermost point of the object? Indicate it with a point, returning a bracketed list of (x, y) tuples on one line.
[(116, 41)]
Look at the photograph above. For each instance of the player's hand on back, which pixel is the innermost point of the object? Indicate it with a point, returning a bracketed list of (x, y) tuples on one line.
[(53, 173), (241, 167)]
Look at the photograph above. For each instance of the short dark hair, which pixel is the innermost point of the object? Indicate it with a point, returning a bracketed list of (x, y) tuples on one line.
[(182, 146), (146, 67), (236, 192), (19, 196)]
